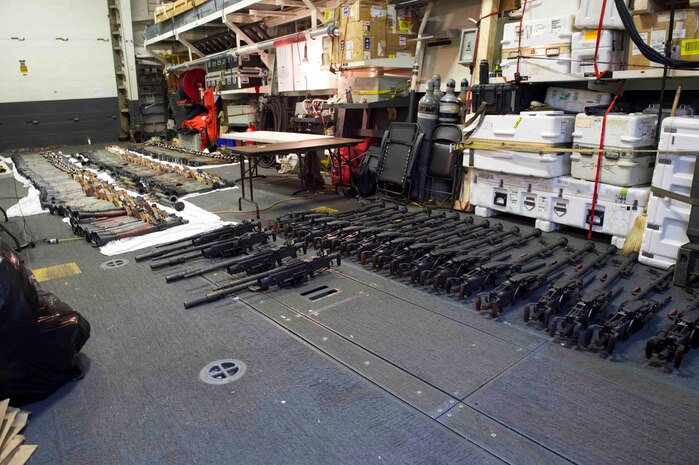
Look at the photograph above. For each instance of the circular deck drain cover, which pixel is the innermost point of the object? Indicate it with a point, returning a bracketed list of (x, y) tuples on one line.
[(116, 263), (222, 371)]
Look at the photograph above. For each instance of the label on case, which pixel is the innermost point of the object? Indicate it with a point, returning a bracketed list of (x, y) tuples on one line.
[(689, 47)]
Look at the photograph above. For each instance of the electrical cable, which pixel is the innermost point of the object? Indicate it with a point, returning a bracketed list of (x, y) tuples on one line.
[(269, 207), (646, 50)]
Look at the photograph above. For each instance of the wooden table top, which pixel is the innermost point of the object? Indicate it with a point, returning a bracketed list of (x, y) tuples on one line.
[(292, 147), (271, 137)]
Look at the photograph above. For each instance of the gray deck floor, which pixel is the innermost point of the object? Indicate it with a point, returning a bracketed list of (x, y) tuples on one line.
[(379, 372)]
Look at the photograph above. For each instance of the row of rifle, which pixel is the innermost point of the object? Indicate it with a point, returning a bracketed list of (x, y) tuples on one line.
[(164, 183), (246, 252), (455, 255), (180, 155), (97, 210)]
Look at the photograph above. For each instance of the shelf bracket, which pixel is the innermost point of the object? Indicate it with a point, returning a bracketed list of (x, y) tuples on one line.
[(239, 34), (190, 47)]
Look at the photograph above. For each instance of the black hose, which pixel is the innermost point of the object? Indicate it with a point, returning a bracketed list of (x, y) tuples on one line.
[(647, 51)]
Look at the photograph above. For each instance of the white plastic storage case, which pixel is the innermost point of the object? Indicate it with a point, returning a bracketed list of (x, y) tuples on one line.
[(559, 201), (575, 100), (538, 9), (623, 130), (609, 54), (588, 15), (674, 172), (544, 31), (665, 233), (543, 165), (666, 227), (620, 167), (539, 127)]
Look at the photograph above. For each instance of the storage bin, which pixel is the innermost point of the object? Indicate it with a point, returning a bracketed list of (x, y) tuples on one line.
[(545, 31), (619, 168), (575, 100), (543, 127), (538, 9), (544, 165), (675, 171), (665, 233), (623, 130), (504, 99), (588, 14), (609, 54)]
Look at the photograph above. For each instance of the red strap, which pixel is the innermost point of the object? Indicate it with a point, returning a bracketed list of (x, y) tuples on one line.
[(599, 160), (599, 35)]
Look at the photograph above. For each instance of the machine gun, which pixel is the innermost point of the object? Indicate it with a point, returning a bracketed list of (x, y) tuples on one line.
[(314, 231), (630, 317), (385, 243), (310, 222), (521, 285), (184, 245), (470, 235), (565, 290), (591, 304), (495, 271), (450, 237), (334, 235), (370, 235), (292, 273), (287, 222), (677, 338), (259, 261), (226, 248), (464, 259)]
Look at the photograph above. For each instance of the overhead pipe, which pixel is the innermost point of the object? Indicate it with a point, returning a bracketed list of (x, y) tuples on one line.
[(329, 30)]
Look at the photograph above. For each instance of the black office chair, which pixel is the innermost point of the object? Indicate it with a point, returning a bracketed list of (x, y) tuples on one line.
[(400, 147), (444, 165)]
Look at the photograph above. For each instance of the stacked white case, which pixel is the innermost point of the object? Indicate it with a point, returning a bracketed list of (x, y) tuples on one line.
[(666, 225), (609, 54), (559, 201), (545, 129), (620, 165)]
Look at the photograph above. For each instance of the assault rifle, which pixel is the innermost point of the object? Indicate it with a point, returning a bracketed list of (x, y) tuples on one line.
[(565, 290), (631, 315), (258, 261), (498, 269), (202, 241), (677, 338), (292, 273), (521, 285), (225, 248), (591, 304)]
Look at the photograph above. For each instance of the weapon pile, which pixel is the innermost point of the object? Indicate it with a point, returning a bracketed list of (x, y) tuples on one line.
[(97, 210), (164, 182), (244, 251), (451, 254), (179, 155)]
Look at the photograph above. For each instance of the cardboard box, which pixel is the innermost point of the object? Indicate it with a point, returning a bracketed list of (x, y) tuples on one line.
[(363, 10), (363, 41), (653, 29), (398, 46)]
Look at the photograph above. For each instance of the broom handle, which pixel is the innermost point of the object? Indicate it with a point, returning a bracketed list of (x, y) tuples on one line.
[(675, 102)]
